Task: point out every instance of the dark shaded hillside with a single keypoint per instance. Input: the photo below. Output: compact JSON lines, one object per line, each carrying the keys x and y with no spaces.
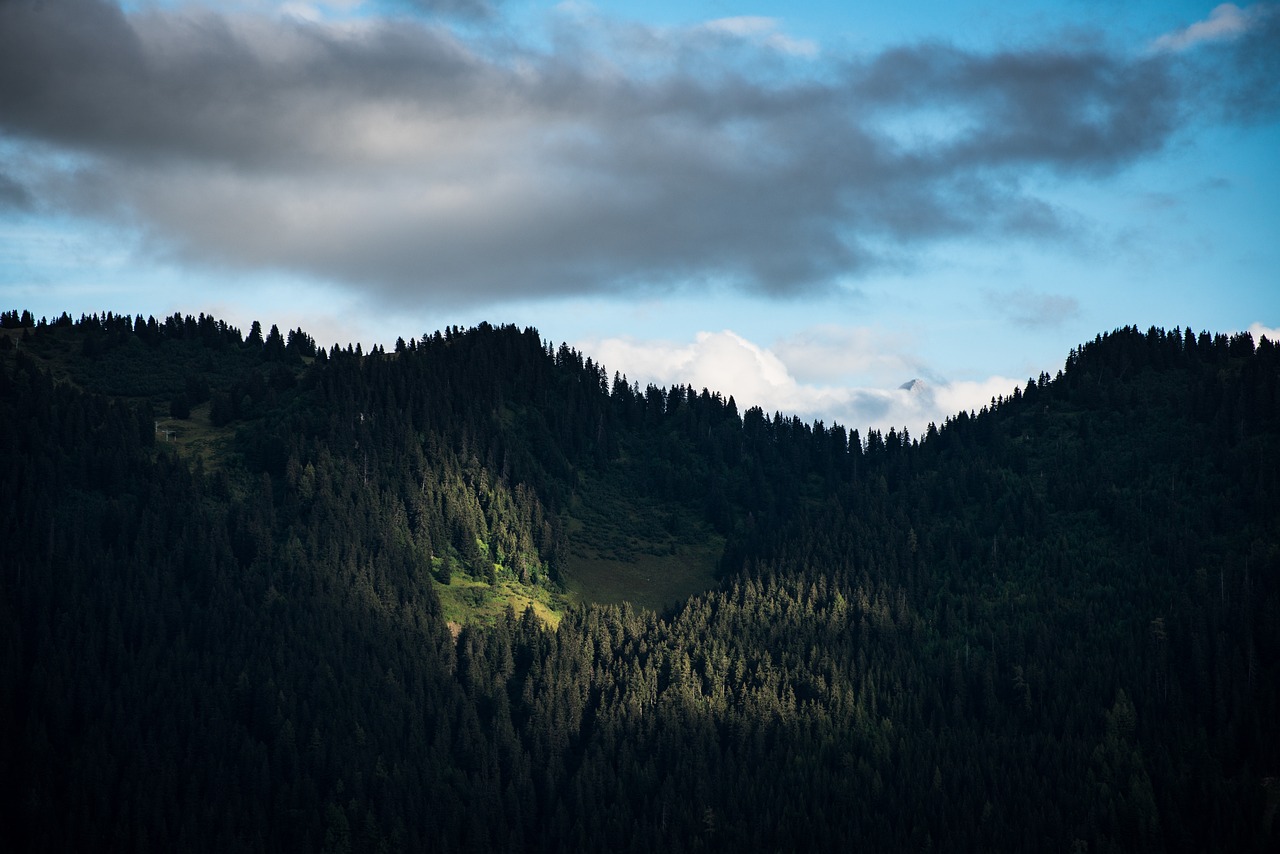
{"x":1054,"y":624}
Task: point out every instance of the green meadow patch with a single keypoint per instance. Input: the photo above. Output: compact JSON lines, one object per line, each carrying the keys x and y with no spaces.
{"x":469,"y":600}
{"x":649,"y":581}
{"x":626,"y":549}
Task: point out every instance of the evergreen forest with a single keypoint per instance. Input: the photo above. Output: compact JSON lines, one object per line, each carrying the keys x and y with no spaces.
{"x":474,"y":593}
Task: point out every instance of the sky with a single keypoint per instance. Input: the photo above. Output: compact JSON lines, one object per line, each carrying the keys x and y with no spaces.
{"x":805,"y":205}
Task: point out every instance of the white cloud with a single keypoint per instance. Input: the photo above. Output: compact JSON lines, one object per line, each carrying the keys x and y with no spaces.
{"x":833,"y":353}
{"x":969,"y":395}
{"x":723,"y":361}
{"x":1257,"y":330}
{"x":769,"y":378}
{"x":743,"y":26}
{"x":1227,"y":21}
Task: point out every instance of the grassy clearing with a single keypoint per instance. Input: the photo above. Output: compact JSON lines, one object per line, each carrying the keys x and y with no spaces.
{"x":468,"y":600}
{"x":196,"y":437}
{"x":628,"y":549}
{"x":646,"y":580}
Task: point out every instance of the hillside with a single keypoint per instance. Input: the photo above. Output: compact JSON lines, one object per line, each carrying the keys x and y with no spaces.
{"x":264,"y":596}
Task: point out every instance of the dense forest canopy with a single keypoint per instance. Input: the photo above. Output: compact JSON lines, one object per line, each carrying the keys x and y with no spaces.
{"x":476,"y":594}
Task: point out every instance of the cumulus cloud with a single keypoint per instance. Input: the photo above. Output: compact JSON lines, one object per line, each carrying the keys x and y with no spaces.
{"x":723,"y":361}
{"x":426,"y":165}
{"x":1272,"y":333}
{"x":760,"y":376}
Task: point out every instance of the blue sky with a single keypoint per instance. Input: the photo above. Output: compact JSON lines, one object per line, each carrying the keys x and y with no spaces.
{"x":804,"y":205}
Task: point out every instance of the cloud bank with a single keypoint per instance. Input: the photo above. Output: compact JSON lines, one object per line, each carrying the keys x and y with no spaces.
{"x":861,"y":386}
{"x":424,"y":164}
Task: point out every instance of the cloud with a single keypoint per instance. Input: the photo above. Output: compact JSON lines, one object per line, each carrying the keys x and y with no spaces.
{"x":319,"y":10}
{"x":765,"y":31}
{"x":1226,"y":22}
{"x":1272,"y":333}
{"x":474,"y":9}
{"x":13,"y":195}
{"x":723,"y":361}
{"x":758,"y":376}
{"x":1034,"y":310}
{"x":1245,"y":84}
{"x":830,"y":353}
{"x":421,"y":165}
{"x":1231,"y":61}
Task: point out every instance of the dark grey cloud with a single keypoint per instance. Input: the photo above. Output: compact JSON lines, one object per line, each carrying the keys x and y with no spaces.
{"x":13,"y":195}
{"x":427,"y":166}
{"x":469,"y":9}
{"x":1081,"y":109}
{"x":1251,"y":79}
{"x":1233,"y":57}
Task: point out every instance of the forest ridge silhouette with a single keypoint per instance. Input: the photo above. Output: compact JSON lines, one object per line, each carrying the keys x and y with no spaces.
{"x":260,"y":595}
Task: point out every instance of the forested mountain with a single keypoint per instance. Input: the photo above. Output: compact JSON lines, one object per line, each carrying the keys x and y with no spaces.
{"x":258,"y":595}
